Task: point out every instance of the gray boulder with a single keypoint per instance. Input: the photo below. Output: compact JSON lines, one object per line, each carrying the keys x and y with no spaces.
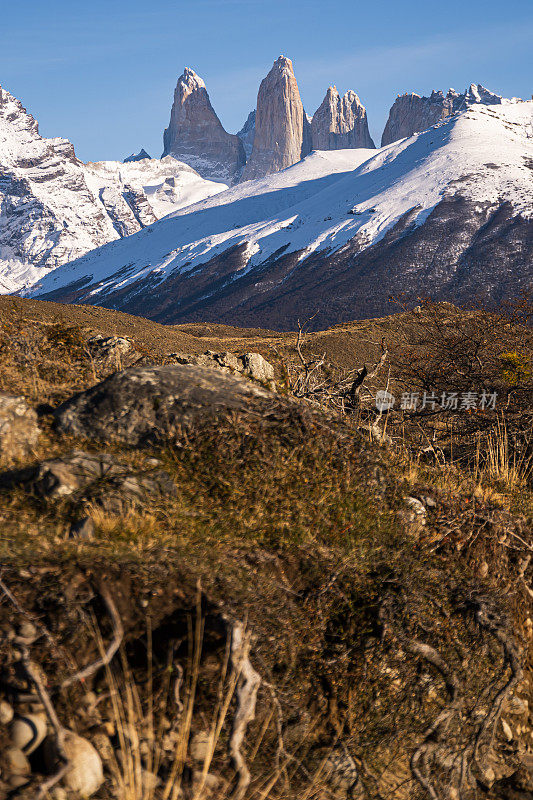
{"x":110,"y":347}
{"x":155,"y":404}
{"x":252,"y":365}
{"x":19,"y":431}
{"x":98,"y":477}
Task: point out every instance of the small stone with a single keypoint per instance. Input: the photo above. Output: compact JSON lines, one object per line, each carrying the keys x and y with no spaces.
{"x":27,"y":630}
{"x":82,"y":529}
{"x":28,"y":731}
{"x":6,"y":713}
{"x":199,"y":746}
{"x":507,"y":732}
{"x":85,"y":774}
{"x":149,"y":782}
{"x":16,"y":762}
{"x":483,"y":570}
{"x":257,"y":367}
{"x":104,"y":746}
{"x":209,"y":782}
{"x":58,"y":793}
{"x":90,"y":698}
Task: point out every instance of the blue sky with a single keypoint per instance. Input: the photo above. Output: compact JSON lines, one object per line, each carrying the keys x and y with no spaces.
{"x":102,"y":74}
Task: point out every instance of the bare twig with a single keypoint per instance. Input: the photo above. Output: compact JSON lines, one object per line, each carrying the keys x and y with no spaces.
{"x":118,"y":635}
{"x":249,"y":681}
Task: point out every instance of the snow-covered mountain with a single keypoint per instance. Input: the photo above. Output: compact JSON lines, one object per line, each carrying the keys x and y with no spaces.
{"x":447,"y":212}
{"x":460,"y":192}
{"x":54,"y":208}
{"x":412,"y":113}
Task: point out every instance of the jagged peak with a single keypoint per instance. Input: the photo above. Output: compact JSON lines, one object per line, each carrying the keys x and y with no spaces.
{"x":282,"y":65}
{"x":352,"y":97}
{"x":140,"y":156}
{"x":11,"y":108}
{"x":191,"y":80}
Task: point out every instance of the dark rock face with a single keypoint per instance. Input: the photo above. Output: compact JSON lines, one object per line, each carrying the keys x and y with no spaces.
{"x":247,"y":134}
{"x":196,"y":136}
{"x":412,"y":113}
{"x":140,"y":156}
{"x":282,"y":131}
{"x":148,"y":404}
{"x":340,"y":122}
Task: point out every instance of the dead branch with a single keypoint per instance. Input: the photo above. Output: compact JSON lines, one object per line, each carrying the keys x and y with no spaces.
{"x":314,"y":379}
{"x":249,"y":681}
{"x":118,"y":635}
{"x":432,"y":734}
{"x":488,"y":620}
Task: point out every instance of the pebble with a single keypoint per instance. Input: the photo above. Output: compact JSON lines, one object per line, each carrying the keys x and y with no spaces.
{"x":16,"y":762}
{"x":6,"y":713}
{"x":28,"y":731}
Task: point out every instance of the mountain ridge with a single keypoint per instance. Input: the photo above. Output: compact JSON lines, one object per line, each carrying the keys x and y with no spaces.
{"x":54,"y":208}
{"x":448,"y":209}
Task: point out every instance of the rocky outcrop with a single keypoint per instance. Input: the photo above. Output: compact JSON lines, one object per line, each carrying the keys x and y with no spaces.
{"x":96,"y":477}
{"x":157,"y":402}
{"x":412,"y":113}
{"x":282,"y":131}
{"x":340,"y":122}
{"x":140,"y":156}
{"x":195,"y":134}
{"x":251,"y":365}
{"x":247,"y":134}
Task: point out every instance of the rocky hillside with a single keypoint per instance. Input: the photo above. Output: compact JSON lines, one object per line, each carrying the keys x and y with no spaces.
{"x":412,"y":113}
{"x":161,"y":566}
{"x":446,"y":213}
{"x":54,"y":208}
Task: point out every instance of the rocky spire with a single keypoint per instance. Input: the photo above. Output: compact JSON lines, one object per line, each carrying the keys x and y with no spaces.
{"x":195,"y":134}
{"x":340,"y":122}
{"x":411,"y":113}
{"x":282,"y":131}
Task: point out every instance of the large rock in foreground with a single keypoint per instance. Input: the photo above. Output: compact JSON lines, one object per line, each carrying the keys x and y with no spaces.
{"x":154,"y":404}
{"x":195,"y":134}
